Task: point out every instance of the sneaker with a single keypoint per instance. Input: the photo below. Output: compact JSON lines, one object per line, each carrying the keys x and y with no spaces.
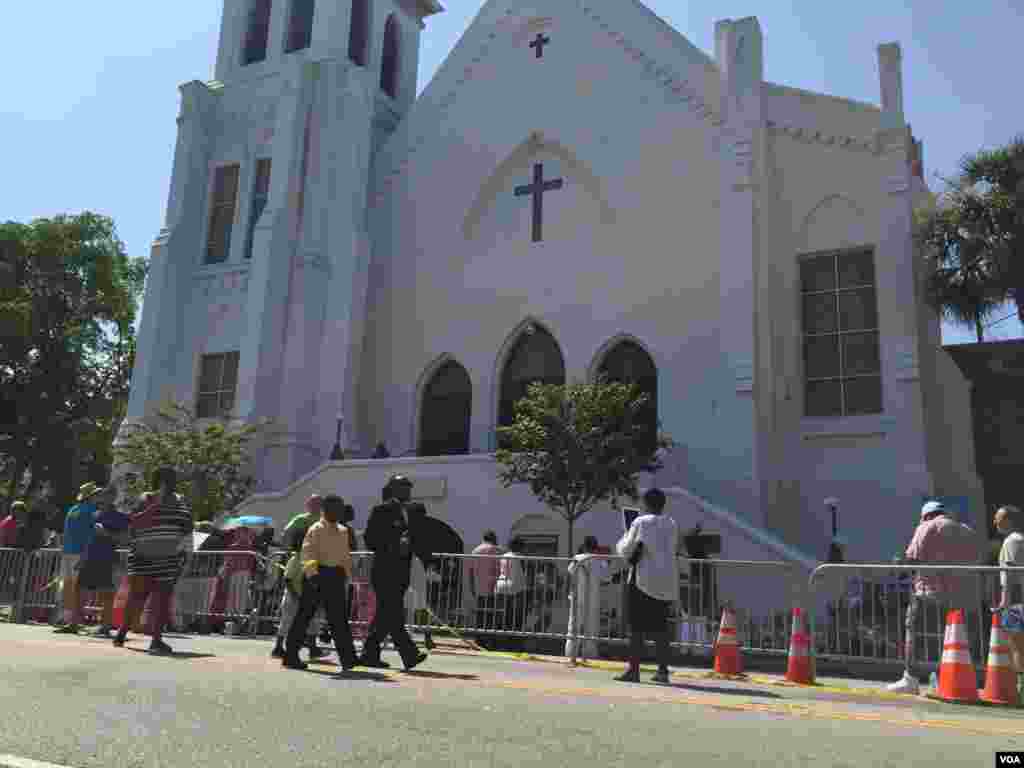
{"x":629,"y":676}
{"x":294,"y":663}
{"x":420,"y":658}
{"x":102,"y":631}
{"x":907,"y":684}
{"x":661,"y":677}
{"x":278,"y":652}
{"x":67,"y":629}
{"x":160,"y":648}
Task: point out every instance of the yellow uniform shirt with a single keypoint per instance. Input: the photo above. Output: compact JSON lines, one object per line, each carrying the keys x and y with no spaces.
{"x":326,"y":544}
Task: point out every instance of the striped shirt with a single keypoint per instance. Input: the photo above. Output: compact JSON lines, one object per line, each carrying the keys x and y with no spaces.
{"x":167,"y":525}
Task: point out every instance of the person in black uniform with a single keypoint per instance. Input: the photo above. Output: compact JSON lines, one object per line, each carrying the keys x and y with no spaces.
{"x":389,"y":537}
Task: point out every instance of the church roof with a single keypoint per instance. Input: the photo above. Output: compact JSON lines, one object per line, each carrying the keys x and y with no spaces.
{"x":652,"y":45}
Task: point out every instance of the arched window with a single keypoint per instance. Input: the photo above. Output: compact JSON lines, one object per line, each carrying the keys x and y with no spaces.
{"x":358,"y":32}
{"x":389,"y":60}
{"x":257,"y":32}
{"x":300,"y":25}
{"x":629,"y":363}
{"x":445,"y":412}
{"x":535,"y":357}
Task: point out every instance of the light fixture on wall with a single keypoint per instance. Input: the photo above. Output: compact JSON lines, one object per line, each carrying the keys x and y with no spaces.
{"x":336,"y":453}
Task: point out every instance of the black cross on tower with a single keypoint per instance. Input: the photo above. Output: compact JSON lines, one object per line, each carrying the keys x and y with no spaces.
{"x":538,"y":43}
{"x":537,"y":190}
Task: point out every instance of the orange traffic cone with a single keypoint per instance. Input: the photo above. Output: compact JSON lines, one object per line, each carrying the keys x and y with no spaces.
{"x":728,"y":660}
{"x":799,"y":669}
{"x":1000,"y":676}
{"x":958,"y":680}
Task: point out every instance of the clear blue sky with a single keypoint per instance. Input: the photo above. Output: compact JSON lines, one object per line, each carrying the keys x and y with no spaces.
{"x":88,"y":115}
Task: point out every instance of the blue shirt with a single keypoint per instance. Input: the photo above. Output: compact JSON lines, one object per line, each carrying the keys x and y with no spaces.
{"x":79,"y":528}
{"x":104,"y":548}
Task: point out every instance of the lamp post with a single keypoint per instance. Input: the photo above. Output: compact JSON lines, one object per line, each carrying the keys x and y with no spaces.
{"x":833,"y":504}
{"x":336,"y":452}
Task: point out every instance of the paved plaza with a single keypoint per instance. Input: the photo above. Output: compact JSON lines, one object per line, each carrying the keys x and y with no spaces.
{"x":77,"y":701}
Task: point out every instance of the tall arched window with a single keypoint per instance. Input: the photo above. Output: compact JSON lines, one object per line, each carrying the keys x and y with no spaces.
{"x":629,"y":363}
{"x":300,"y":25}
{"x":445,"y":412}
{"x":358,"y":32}
{"x":389,"y":60}
{"x":534,"y":357}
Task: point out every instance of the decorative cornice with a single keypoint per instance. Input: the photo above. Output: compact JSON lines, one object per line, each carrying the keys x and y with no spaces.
{"x":814,"y":136}
{"x":676,"y":88}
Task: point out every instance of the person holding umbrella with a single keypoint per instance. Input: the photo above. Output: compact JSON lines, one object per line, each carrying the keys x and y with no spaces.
{"x":389,"y":537}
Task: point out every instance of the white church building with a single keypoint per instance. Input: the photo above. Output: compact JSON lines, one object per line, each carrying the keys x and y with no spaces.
{"x":578,"y":188}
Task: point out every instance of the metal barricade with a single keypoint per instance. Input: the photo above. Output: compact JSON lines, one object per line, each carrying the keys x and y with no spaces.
{"x":863,"y":610}
{"x":546,"y":600}
{"x":12,"y":571}
{"x":762,"y":595}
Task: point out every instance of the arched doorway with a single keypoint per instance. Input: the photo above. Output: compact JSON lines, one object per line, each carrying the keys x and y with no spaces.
{"x":627,"y":362}
{"x":535,"y":356}
{"x":445,"y":412}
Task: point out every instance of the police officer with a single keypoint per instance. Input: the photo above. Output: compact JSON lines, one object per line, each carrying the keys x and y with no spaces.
{"x":388,"y":536}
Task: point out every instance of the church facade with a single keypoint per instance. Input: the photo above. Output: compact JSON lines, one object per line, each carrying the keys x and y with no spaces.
{"x":578,"y":189}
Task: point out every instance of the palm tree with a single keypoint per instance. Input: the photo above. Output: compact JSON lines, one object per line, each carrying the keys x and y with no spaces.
{"x":973,"y":238}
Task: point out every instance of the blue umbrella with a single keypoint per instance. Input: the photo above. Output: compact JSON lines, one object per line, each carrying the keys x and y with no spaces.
{"x":248,"y":521}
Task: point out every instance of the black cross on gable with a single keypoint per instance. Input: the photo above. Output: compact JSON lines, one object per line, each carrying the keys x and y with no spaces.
{"x":537,"y":190}
{"x":538,"y":43}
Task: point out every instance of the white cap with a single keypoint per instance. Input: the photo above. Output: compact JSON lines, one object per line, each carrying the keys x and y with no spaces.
{"x":931,"y":508}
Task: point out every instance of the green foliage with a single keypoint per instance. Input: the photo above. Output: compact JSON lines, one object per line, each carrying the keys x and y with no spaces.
{"x":973,"y":238}
{"x":208,"y":454}
{"x":67,"y":306}
{"x":579,"y":444}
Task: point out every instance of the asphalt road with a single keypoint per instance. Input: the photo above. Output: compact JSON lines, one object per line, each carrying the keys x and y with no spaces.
{"x":222,"y":702}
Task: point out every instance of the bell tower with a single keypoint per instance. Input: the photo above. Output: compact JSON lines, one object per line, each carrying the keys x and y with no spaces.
{"x":255,"y":299}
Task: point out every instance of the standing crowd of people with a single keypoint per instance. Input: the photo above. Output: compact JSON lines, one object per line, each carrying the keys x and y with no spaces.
{"x":157,"y":530}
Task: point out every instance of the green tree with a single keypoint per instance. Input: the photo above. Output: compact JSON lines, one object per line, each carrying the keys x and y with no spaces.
{"x":208,"y":454}
{"x":67,"y":307}
{"x":579,"y":444}
{"x":973,"y":238}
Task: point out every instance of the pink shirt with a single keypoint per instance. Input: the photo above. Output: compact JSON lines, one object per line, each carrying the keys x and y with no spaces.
{"x":8,"y":531}
{"x":943,"y":540}
{"x":485,"y":570}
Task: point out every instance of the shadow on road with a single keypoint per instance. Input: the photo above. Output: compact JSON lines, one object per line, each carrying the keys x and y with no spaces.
{"x":751,"y":692}
{"x":439,"y":675}
{"x":374,"y":677}
{"x":180,"y":655}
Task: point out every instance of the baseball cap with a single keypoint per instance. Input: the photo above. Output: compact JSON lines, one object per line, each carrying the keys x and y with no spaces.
{"x":932,"y":508}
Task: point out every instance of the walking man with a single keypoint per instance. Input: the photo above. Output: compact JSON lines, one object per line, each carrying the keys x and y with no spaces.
{"x":79,"y":530}
{"x":387,"y":536}
{"x":939,"y":539}
{"x":326,"y":565}
{"x":294,"y":535}
{"x":651,"y":545}
{"x":154,"y":559}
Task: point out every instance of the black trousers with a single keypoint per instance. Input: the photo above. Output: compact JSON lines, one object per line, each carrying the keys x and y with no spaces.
{"x":330,"y":589}
{"x":389,"y":620}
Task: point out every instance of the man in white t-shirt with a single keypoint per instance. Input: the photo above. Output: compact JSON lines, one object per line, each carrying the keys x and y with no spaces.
{"x":1010,"y":523}
{"x":651,"y":544}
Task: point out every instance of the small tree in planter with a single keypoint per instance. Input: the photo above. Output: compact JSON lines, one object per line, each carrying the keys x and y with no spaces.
{"x":208,"y":454}
{"x":579,"y":444}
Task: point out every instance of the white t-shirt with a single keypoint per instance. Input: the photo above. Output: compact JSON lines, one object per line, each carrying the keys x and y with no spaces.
{"x":657,"y":573}
{"x":1012,"y":554}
